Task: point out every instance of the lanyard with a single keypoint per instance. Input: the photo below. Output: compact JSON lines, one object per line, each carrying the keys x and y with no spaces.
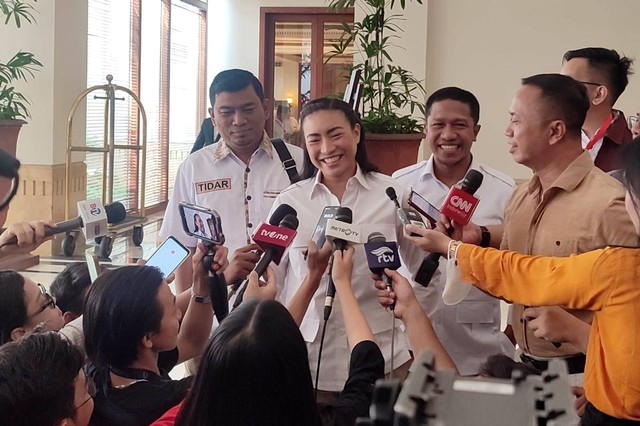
{"x":601,"y":131}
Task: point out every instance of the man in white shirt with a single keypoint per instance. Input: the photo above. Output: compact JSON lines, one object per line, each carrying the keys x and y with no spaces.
{"x":239,"y":177}
{"x":470,"y":331}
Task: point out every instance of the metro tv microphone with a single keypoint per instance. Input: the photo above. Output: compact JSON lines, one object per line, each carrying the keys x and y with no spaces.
{"x":458,"y":206}
{"x":380,"y":255}
{"x":273,"y":240}
{"x":93,"y":220}
{"x":339,"y":231}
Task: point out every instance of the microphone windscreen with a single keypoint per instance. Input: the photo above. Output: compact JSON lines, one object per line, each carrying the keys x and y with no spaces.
{"x":280,"y":212}
{"x":289,"y":221}
{"x":344,"y":214}
{"x":116,"y":212}
{"x":376,"y":237}
{"x":391,"y":193}
{"x":9,"y":165}
{"x":472,"y":181}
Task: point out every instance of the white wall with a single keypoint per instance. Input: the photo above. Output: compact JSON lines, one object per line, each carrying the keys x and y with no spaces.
{"x":488,"y":46}
{"x":59,"y":41}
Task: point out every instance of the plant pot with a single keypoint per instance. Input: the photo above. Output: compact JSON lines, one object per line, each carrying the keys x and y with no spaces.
{"x":393,"y":152}
{"x":9,"y":130}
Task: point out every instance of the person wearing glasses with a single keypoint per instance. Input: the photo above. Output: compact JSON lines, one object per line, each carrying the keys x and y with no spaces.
{"x":24,"y":305}
{"x":42,"y":382}
{"x":605,"y":75}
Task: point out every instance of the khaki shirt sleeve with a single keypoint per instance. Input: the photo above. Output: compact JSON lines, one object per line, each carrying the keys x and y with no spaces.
{"x":615,"y":227}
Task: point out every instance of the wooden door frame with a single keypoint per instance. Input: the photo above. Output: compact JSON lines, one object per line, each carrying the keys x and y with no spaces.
{"x":315,"y":15}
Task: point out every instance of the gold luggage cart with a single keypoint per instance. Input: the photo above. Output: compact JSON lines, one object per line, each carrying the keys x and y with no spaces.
{"x":132,"y":223}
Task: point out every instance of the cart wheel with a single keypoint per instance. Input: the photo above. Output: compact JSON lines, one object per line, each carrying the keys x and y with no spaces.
{"x":138,"y":235}
{"x":97,"y":240}
{"x":68,"y":245}
{"x":105,"y":247}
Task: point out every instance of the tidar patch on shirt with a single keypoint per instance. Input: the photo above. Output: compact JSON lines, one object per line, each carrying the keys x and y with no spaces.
{"x":213,"y":185}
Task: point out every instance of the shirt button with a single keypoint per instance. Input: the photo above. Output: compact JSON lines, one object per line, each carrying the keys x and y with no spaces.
{"x":248,"y":197}
{"x":249,"y":225}
{"x":247,"y":170}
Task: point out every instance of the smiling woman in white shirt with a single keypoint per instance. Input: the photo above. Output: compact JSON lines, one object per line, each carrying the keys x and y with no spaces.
{"x":198,"y":226}
{"x":337,"y":172}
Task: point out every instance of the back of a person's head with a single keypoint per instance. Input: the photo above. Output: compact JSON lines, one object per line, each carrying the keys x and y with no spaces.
{"x":502,"y":367}
{"x":564,"y":99}
{"x":631,"y":170}
{"x":234,"y":80}
{"x":13,"y":309}
{"x":37,"y":380}
{"x":608,"y":64}
{"x":69,"y":287}
{"x":255,"y":371}
{"x":455,"y":94}
{"x":120,"y":309}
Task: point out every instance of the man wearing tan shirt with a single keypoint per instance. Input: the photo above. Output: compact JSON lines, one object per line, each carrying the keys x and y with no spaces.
{"x":569,"y":206}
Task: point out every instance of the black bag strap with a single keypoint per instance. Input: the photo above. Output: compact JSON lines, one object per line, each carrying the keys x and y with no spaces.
{"x":288,"y":162}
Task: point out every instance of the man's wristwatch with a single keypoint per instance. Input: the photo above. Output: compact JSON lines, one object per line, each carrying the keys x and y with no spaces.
{"x":200,"y":299}
{"x":485,"y":239}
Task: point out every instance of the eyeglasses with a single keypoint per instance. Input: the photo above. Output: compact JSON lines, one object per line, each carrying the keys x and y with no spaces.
{"x":633,"y":119}
{"x":590,"y":82}
{"x":51,"y":302}
{"x":91,"y":390}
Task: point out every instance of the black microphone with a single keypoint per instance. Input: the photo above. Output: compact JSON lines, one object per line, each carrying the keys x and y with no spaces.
{"x":91,"y":220}
{"x":380,"y":255}
{"x":273,"y":240}
{"x":344,"y":214}
{"x":470,"y":184}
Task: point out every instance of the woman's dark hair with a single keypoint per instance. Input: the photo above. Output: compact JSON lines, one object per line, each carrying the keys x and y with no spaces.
{"x":255,"y":371}
{"x":69,"y":287}
{"x":631,"y":169}
{"x":37,"y":380}
{"x":331,"y":104}
{"x":195,"y":223}
{"x":121,"y":307}
{"x":13,"y":308}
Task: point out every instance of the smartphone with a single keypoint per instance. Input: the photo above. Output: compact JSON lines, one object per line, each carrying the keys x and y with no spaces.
{"x":424,"y":207}
{"x":202,"y":223}
{"x":329,"y":212}
{"x":168,"y":256}
{"x":93,"y":264}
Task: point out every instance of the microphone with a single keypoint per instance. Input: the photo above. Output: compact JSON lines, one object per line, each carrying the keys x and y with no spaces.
{"x":460,"y":203}
{"x":338,"y":232}
{"x":380,"y":255}
{"x":93,"y":220}
{"x":459,"y":206}
{"x":407,"y":216}
{"x":273,"y":240}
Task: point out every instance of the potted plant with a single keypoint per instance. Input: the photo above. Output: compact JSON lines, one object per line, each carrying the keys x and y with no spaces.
{"x":13,"y":104}
{"x":390,"y":94}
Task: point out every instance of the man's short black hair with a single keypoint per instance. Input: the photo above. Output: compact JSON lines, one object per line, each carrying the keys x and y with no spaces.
{"x":609,"y":63}
{"x":566,"y":98}
{"x":69,"y":287}
{"x":455,"y":94}
{"x":234,"y":80}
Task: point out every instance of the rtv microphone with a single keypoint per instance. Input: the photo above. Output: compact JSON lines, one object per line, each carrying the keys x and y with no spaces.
{"x":339,"y":230}
{"x":407,"y":216}
{"x":273,"y":240}
{"x":380,"y":255}
{"x":93,"y":220}
{"x":458,"y":206}
{"x":460,"y":203}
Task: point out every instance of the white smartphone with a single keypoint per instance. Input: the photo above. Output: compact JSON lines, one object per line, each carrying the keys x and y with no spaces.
{"x":168,"y":256}
{"x":93,"y":264}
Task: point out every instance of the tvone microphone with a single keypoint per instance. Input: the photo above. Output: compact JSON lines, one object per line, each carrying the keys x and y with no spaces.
{"x":93,"y":220}
{"x":380,"y":255}
{"x":273,"y":240}
{"x":338,"y":232}
{"x":459,"y":206}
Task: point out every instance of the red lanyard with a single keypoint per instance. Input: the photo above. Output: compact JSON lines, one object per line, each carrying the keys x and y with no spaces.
{"x":600,"y":133}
